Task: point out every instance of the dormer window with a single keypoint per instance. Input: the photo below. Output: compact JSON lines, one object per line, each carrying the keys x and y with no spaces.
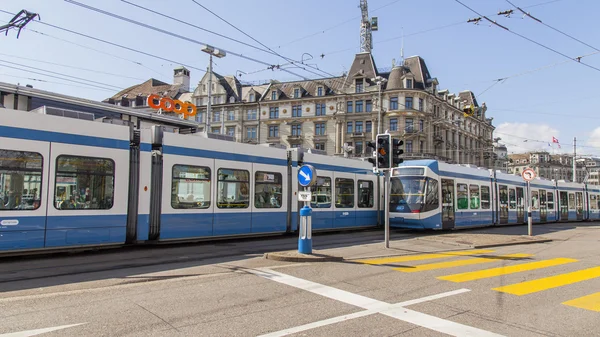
{"x":320,"y":91}
{"x":273,"y":95}
{"x":297,"y":93}
{"x":359,"y":85}
{"x":231,"y":99}
{"x":409,"y":84}
{"x":251,"y":98}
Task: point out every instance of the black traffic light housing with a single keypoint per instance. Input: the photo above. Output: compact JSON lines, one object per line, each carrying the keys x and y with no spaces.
{"x":372,"y":145}
{"x":397,"y":152}
{"x":468,"y":111}
{"x":383,"y":152}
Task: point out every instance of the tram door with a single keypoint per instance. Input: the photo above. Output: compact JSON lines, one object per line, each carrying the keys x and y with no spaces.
{"x":520,"y":205}
{"x":503,"y":203}
{"x":579,"y":205}
{"x":564,"y":206}
{"x":543,"y":207}
{"x":447,"y":204}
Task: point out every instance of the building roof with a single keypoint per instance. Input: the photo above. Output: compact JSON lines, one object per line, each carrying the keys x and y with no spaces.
{"x":469,"y":97}
{"x":145,"y":89}
{"x":363,"y":65}
{"x":310,"y":86}
{"x":417,"y":66}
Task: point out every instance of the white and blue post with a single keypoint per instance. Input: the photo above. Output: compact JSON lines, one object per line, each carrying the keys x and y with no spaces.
{"x":306,"y":177}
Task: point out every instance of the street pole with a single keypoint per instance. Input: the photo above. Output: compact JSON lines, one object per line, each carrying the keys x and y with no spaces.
{"x":574,"y":159}
{"x":529,"y":219}
{"x":379,"y":83}
{"x":208,"y":105}
{"x":457,"y":142}
{"x":386,"y":208}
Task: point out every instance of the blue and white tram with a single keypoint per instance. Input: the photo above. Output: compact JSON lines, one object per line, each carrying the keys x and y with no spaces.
{"x":593,"y":193}
{"x":68,"y":183}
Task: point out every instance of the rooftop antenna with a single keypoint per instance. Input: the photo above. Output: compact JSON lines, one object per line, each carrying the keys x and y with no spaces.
{"x":402,"y":48}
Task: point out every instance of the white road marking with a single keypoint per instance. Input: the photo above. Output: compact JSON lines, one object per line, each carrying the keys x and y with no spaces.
{"x":397,"y":311}
{"x":36,"y":332}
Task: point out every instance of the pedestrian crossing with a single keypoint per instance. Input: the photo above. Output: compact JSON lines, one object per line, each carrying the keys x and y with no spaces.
{"x":515,"y":263}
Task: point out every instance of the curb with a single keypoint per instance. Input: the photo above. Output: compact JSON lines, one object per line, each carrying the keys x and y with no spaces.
{"x":297,"y":257}
{"x":476,"y":246}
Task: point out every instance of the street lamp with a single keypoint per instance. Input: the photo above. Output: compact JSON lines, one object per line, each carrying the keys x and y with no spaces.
{"x":380,"y":81}
{"x":212,"y":51}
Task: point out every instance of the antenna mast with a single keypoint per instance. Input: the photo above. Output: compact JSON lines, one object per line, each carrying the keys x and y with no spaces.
{"x":366,"y":27}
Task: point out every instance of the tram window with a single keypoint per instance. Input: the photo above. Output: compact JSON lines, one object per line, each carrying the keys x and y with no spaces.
{"x":571,"y":201}
{"x":512,"y":198}
{"x":267,"y":190}
{"x":432,"y":200}
{"x":84,"y":183}
{"x":550,"y":201}
{"x":474,"y":191}
{"x":321,"y":193}
{"x":344,"y":193}
{"x":485,"y":197}
{"x":462,"y":196}
{"x":233,"y":188}
{"x":365,"y":194}
{"x":503,"y":195}
{"x":535,"y":200}
{"x":20,"y":180}
{"x":593,"y":202}
{"x":190,"y":187}
{"x":579,"y":201}
{"x":542,"y":198}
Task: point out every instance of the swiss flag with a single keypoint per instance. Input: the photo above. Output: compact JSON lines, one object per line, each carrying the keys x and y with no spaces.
{"x":554,"y":140}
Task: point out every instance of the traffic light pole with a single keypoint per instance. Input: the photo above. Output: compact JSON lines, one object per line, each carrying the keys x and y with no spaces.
{"x":386,"y":207}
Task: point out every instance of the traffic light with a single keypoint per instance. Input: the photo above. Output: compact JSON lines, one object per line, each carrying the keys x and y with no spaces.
{"x":397,"y":152}
{"x":383,"y":151}
{"x":468,"y":111}
{"x":371,"y":145}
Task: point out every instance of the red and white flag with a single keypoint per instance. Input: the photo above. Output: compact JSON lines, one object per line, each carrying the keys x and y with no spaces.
{"x":554,"y":140}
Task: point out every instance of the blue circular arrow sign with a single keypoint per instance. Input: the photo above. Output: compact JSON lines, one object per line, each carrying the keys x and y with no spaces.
{"x":306,"y":175}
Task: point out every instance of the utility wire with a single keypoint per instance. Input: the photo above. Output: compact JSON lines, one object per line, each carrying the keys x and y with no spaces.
{"x":73,"y":67}
{"x":262,"y":44}
{"x":171,"y":34}
{"x":528,"y":39}
{"x":554,"y":29}
{"x":59,"y":83}
{"x":56,"y":73}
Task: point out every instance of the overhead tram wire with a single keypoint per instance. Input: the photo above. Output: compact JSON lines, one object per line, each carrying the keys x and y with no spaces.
{"x":547,"y":25}
{"x":53,"y":82}
{"x":528,"y":39}
{"x":262,"y":44}
{"x":57,"y":73}
{"x":114,"y":44}
{"x":73,"y":67}
{"x":172,"y":34}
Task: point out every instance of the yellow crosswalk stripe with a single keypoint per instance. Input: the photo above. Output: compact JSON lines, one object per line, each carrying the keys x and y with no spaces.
{"x":589,"y":302}
{"x":406,"y":258}
{"x":459,"y":263}
{"x":533,"y":286}
{"x":487,"y":273}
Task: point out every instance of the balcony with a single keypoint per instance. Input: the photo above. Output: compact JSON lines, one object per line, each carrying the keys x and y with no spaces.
{"x":319,"y":137}
{"x":410,"y":130}
{"x":357,"y":134}
{"x":295,"y":138}
{"x":250,"y":140}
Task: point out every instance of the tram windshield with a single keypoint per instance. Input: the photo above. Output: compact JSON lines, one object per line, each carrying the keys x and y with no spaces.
{"x":413,"y":194}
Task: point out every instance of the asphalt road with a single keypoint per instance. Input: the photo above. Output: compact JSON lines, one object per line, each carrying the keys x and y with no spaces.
{"x":228,"y":289}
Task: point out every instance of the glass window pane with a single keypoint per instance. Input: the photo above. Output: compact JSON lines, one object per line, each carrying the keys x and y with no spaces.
{"x":365,"y":194}
{"x":571,"y":201}
{"x":503,"y":196}
{"x":190,"y":187}
{"x":512,"y":198}
{"x":20,"y":180}
{"x":535,"y":200}
{"x":474,"y":190}
{"x":321,"y":193}
{"x":462,"y":196}
{"x":485,"y":197}
{"x":431,"y":195}
{"x":267,"y":190}
{"x":344,"y":193}
{"x":550,"y":200}
{"x":593,"y":203}
{"x":84,"y":183}
{"x":233,"y":189}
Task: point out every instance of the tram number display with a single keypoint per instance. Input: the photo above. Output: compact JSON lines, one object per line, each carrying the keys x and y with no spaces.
{"x":166,"y":104}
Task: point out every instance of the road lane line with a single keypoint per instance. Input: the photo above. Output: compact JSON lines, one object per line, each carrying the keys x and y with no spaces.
{"x":529,"y":287}
{"x":343,"y":318}
{"x":36,"y":332}
{"x":589,"y":302}
{"x":459,"y":263}
{"x":427,"y":321}
{"x":406,"y":258}
{"x":505,"y":270}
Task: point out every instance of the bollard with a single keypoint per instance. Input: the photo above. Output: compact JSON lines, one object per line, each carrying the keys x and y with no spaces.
{"x":305,"y":238}
{"x":529,"y":221}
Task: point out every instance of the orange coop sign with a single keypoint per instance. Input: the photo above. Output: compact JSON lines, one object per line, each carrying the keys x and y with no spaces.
{"x":187,"y":109}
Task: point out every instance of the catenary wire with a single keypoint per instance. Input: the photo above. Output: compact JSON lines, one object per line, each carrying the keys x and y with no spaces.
{"x":53,"y":82}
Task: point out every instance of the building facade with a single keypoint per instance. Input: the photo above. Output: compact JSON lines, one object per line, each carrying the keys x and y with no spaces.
{"x":548,"y":166}
{"x":338,"y":115}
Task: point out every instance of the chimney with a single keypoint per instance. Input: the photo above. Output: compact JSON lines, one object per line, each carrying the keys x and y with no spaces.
{"x":181,"y":75}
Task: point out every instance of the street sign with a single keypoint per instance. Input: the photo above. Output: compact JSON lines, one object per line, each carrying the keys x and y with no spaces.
{"x":304,"y":196}
{"x":528,"y":174}
{"x":306,"y":175}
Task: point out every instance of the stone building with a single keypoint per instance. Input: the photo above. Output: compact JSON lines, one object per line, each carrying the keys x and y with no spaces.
{"x":546,"y":165}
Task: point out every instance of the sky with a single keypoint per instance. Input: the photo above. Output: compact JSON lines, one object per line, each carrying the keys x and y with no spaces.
{"x":542,"y":94}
